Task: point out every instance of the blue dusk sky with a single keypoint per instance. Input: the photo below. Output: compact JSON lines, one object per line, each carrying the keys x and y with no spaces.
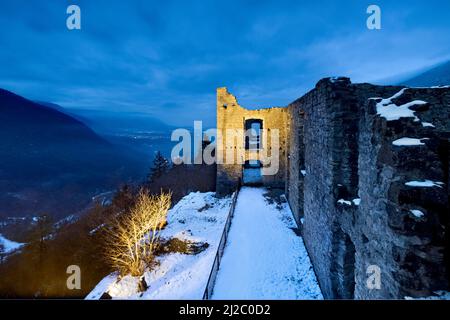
{"x":166,"y":58}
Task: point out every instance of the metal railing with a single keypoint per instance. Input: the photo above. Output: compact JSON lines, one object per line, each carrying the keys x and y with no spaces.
{"x":223,"y":240}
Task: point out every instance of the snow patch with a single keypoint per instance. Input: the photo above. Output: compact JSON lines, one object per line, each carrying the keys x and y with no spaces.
{"x":336,"y":79}
{"x":342,"y":201}
{"x":424,"y":184}
{"x":417,"y":213}
{"x":390,"y":111}
{"x":409,"y":142}
{"x":102,"y":287}
{"x":96,"y":229}
{"x":427,"y":124}
{"x":394,"y":112}
{"x":356,"y":201}
{"x":9,"y":246}
{"x":303,"y":172}
{"x":126,"y":287}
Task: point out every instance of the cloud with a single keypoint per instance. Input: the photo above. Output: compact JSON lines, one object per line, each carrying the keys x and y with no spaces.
{"x":160,"y":57}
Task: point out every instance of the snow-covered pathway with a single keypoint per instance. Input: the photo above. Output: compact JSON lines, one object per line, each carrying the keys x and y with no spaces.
{"x":264,"y":258}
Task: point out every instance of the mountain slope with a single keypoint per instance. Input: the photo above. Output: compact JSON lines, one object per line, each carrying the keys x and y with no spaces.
{"x":52,"y":162}
{"x":57,"y":107}
{"x":437,"y":76}
{"x":138,"y":131}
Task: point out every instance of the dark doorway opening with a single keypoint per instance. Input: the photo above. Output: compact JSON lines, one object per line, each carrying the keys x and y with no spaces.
{"x":253,"y":132}
{"x":252,"y":173}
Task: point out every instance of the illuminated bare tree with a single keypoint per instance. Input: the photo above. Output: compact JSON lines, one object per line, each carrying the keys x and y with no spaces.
{"x":133,"y":237}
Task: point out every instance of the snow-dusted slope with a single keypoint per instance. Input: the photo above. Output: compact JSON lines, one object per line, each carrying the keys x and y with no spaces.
{"x":198,"y":217}
{"x":8,"y":246}
{"x":264,"y":258}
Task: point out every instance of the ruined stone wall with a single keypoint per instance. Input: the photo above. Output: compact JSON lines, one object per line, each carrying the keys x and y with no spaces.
{"x":328,"y":144}
{"x":356,"y":208}
{"x":295,"y":162}
{"x":230,"y":115}
{"x":405,"y":227}
{"x":353,"y":189}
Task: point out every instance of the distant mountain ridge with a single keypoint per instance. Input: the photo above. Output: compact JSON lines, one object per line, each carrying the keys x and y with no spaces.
{"x":61,"y":109}
{"x":436,"y":76}
{"x":107,"y":122}
{"x":52,"y":162}
{"x":29,"y":120}
{"x":130,"y":130}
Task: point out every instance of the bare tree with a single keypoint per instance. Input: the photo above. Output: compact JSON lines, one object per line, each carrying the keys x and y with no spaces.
{"x":133,"y":237}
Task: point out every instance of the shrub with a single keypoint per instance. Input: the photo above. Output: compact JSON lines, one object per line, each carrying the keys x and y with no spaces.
{"x":182,"y":246}
{"x":133,"y":237}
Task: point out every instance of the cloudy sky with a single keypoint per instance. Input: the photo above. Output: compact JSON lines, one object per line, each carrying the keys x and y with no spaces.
{"x":165,"y":58}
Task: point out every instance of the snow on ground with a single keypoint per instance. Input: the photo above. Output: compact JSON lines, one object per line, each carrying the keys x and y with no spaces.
{"x":264,"y":258}
{"x":9,"y":246}
{"x":102,"y":287}
{"x":424,"y":184}
{"x":409,"y":142}
{"x":198,"y":217}
{"x":389,"y":110}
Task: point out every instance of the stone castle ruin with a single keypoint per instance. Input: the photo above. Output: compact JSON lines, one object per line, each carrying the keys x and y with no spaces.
{"x":365,"y":169}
